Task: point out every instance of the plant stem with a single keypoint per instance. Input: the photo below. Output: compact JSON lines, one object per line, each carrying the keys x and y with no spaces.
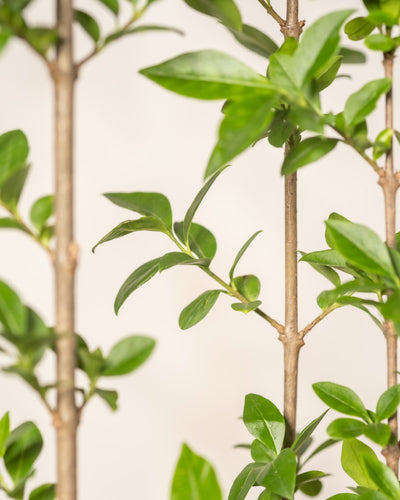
{"x":232,"y":291}
{"x":292,"y":343}
{"x":390,"y":184}
{"x":101,"y":45}
{"x":66,"y":420}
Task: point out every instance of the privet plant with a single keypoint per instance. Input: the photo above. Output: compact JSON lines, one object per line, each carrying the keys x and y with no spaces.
{"x":284,"y":109}
{"x":25,"y":339}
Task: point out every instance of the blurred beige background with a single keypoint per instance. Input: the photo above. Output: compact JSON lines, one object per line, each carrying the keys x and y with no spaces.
{"x":132,"y":135}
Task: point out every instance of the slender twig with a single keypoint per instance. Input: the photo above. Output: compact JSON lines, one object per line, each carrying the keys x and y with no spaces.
{"x":101,"y":45}
{"x":66,"y":419}
{"x":349,"y":141}
{"x":272,"y":12}
{"x":231,"y":291}
{"x":26,"y":229}
{"x":315,"y":321}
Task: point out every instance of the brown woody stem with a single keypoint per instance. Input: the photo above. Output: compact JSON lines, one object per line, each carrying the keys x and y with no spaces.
{"x":389,"y":182}
{"x":66,"y":419}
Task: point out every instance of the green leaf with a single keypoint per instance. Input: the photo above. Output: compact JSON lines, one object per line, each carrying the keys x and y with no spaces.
{"x":110,"y":397}
{"x":5,"y":36}
{"x":173,"y":259}
{"x":341,"y":398}
{"x":343,"y":428}
{"x":380,"y":42}
{"x":88,"y":23}
{"x":306,"y":433}
{"x":23,"y":446}
{"x":132,"y":226}
{"x":329,"y":75}
{"x":141,"y":29}
{"x":245,"y":480}
{"x":353,"y":453}
{"x":344,"y":496}
{"x":360,"y":104}
{"x":383,"y":143}
{"x":388,"y":403}
{"x":246,"y":307}
{"x":113,"y":5}
{"x":326,"y":444}
{"x":146,"y":271}
{"x":307,"y":151}
{"x":266,"y":495}
{"x":92,"y":363}
{"x":248,"y":285}
{"x":4,"y":432}
{"x":323,"y":269}
{"x":195,"y":478}
{"x":281,"y":129}
{"x":41,"y":211}
{"x":318,"y":44}
{"x":224,"y":10}
{"x":148,"y":204}
{"x":17,"y":5}
{"x":201,"y":241}
{"x":358,"y":28}
{"x":138,"y":278}
{"x":281,"y":475}
{"x":361,"y":246}
{"x":261,"y":453}
{"x":8,"y":223}
{"x":382,"y":476}
{"x":245,"y":121}
{"x":310,"y":476}
{"x":351,"y":56}
{"x":187,"y":221}
{"x":264,"y":421}
{"x":391,"y":7}
{"x":390,"y":310}
{"x":127,"y":355}
{"x":207,"y":74}
{"x":11,"y":189}
{"x":13,"y":314}
{"x":41,"y":38}
{"x":14,"y":150}
{"x":198,"y":309}
{"x":255,"y":40}
{"x":378,"y":433}
{"x":311,"y":489}
{"x":241,"y":253}
{"x":44,"y":492}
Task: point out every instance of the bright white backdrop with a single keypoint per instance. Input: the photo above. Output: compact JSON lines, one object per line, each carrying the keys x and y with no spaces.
{"x":132,"y":135}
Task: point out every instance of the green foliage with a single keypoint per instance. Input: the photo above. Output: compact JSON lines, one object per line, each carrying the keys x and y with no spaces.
{"x":88,"y":23}
{"x":127,"y":355}
{"x":194,"y":478}
{"x":244,"y":123}
{"x":198,"y":309}
{"x":264,"y":421}
{"x":225,"y":11}
{"x":360,"y":104}
{"x":207,"y":74}
{"x":353,"y":454}
{"x":307,"y":151}
{"x":341,"y":398}
{"x":23,"y":446}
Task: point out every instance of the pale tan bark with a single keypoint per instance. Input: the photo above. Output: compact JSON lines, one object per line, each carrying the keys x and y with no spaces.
{"x":65,"y":259}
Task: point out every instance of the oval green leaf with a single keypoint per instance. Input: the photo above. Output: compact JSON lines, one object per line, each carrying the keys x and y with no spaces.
{"x":127,"y":355}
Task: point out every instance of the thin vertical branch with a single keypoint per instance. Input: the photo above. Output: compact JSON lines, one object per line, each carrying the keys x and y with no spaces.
{"x":290,"y":339}
{"x":389,"y":184}
{"x":66,"y":420}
